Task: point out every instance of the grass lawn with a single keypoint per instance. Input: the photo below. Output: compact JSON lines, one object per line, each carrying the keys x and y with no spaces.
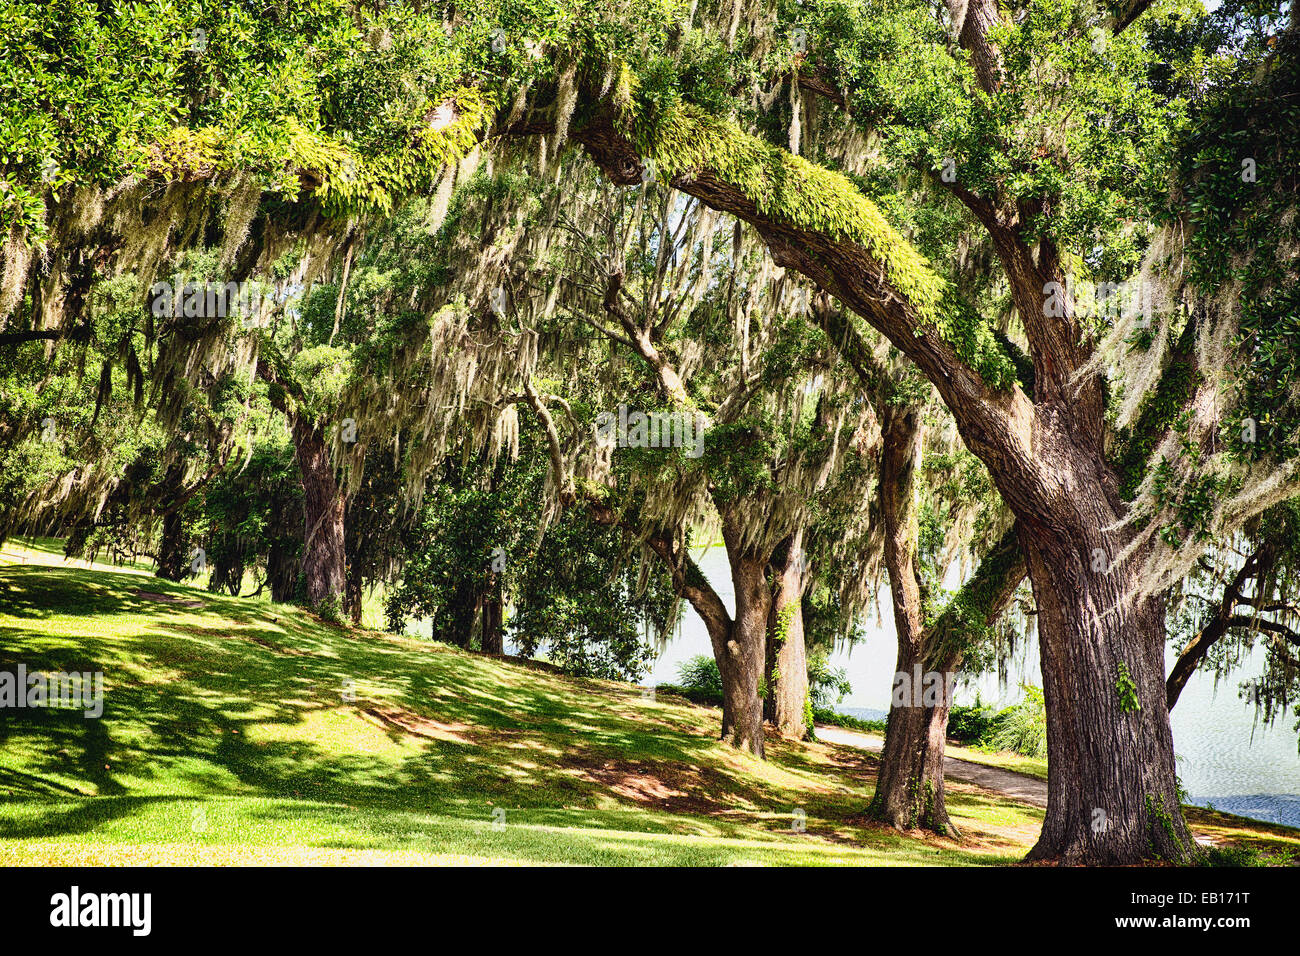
{"x":240,"y":731}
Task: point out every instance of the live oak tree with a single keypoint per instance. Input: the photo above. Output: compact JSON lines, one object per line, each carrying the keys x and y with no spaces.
{"x":646,"y":280}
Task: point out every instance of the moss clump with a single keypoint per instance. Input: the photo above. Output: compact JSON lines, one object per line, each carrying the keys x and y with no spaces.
{"x":790,"y":190}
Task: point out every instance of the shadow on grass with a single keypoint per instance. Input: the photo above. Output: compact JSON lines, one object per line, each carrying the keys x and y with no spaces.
{"x":247,"y":699}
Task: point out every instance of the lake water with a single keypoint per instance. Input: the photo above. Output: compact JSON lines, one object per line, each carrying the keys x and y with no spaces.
{"x":1224,"y":758}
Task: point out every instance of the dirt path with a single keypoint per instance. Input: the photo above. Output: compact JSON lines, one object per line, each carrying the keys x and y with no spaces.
{"x":1017,"y":786}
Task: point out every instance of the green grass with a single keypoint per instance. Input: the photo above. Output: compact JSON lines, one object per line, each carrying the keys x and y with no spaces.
{"x":241,"y":731}
{"x":228,"y":726}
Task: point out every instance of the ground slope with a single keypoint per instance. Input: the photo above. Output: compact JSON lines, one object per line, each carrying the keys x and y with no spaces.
{"x":239,"y":731}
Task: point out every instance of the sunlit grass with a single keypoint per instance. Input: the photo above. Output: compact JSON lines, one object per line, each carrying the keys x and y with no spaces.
{"x":241,"y":731}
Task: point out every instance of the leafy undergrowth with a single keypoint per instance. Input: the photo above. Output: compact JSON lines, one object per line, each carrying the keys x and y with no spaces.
{"x":239,"y":731}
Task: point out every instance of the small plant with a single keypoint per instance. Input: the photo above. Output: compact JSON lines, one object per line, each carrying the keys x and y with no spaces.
{"x":1232,"y":856}
{"x":827,"y":685}
{"x":1127,"y":689}
{"x":331,"y":610}
{"x":1022,"y":729}
{"x":701,"y":681}
{"x":974,"y":725}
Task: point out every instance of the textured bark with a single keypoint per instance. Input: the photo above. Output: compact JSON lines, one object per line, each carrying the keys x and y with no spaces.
{"x":491,"y":636}
{"x":740,"y":658}
{"x":324,"y":557}
{"x":972,"y":19}
{"x":1111,"y":787}
{"x":786,"y":655}
{"x":173,"y":561}
{"x":909,"y":783}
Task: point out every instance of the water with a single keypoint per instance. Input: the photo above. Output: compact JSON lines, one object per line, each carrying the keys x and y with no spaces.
{"x":1225,"y":759}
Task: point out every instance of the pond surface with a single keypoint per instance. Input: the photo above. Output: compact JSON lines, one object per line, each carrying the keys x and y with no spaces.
{"x":1225,"y":759}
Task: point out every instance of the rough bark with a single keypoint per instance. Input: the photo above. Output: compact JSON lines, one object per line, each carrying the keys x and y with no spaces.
{"x":491,"y":635}
{"x":740,"y":658}
{"x":173,"y":561}
{"x":324,"y":556}
{"x":1111,"y":787}
{"x":909,"y":783}
{"x":786,"y":655}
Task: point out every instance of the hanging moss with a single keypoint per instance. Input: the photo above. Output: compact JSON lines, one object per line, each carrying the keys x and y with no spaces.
{"x":792,"y":191}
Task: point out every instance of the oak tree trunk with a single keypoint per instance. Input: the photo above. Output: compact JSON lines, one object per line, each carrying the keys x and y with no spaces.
{"x":323,"y":555}
{"x":173,"y":561}
{"x":740,"y":659}
{"x":786,"y":703}
{"x":910,"y":782}
{"x":492,"y":639}
{"x":1111,"y":794}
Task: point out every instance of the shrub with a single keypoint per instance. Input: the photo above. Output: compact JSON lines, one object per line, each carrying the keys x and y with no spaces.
{"x":974,"y":725}
{"x":827,"y":685}
{"x":701,"y":674}
{"x":1022,"y":729}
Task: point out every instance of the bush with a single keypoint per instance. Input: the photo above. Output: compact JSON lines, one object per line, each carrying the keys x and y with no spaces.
{"x":700,"y":679}
{"x":827,"y":685}
{"x":834,"y":719}
{"x":1022,"y":729}
{"x":973,"y":726}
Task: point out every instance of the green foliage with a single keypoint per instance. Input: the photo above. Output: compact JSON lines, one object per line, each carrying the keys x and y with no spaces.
{"x":582,"y":604}
{"x":1240,"y":170}
{"x":1126,"y":688}
{"x":792,"y":190}
{"x":700,"y":678}
{"x":973,"y":725}
{"x":252,"y":520}
{"x":833,"y":718}
{"x":1022,"y":729}
{"x":827,"y":685}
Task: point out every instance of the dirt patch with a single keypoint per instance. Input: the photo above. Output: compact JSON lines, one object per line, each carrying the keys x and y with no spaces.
{"x":679,"y":789}
{"x":158,"y":598}
{"x":409,"y":722}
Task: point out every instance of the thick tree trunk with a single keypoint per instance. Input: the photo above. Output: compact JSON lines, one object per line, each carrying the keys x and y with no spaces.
{"x":323,"y":555}
{"x":910,"y":783}
{"x":173,"y":562}
{"x":492,"y":639}
{"x":786,"y":658}
{"x":740,"y":658}
{"x":1111,"y":794}
{"x":353,"y":600}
